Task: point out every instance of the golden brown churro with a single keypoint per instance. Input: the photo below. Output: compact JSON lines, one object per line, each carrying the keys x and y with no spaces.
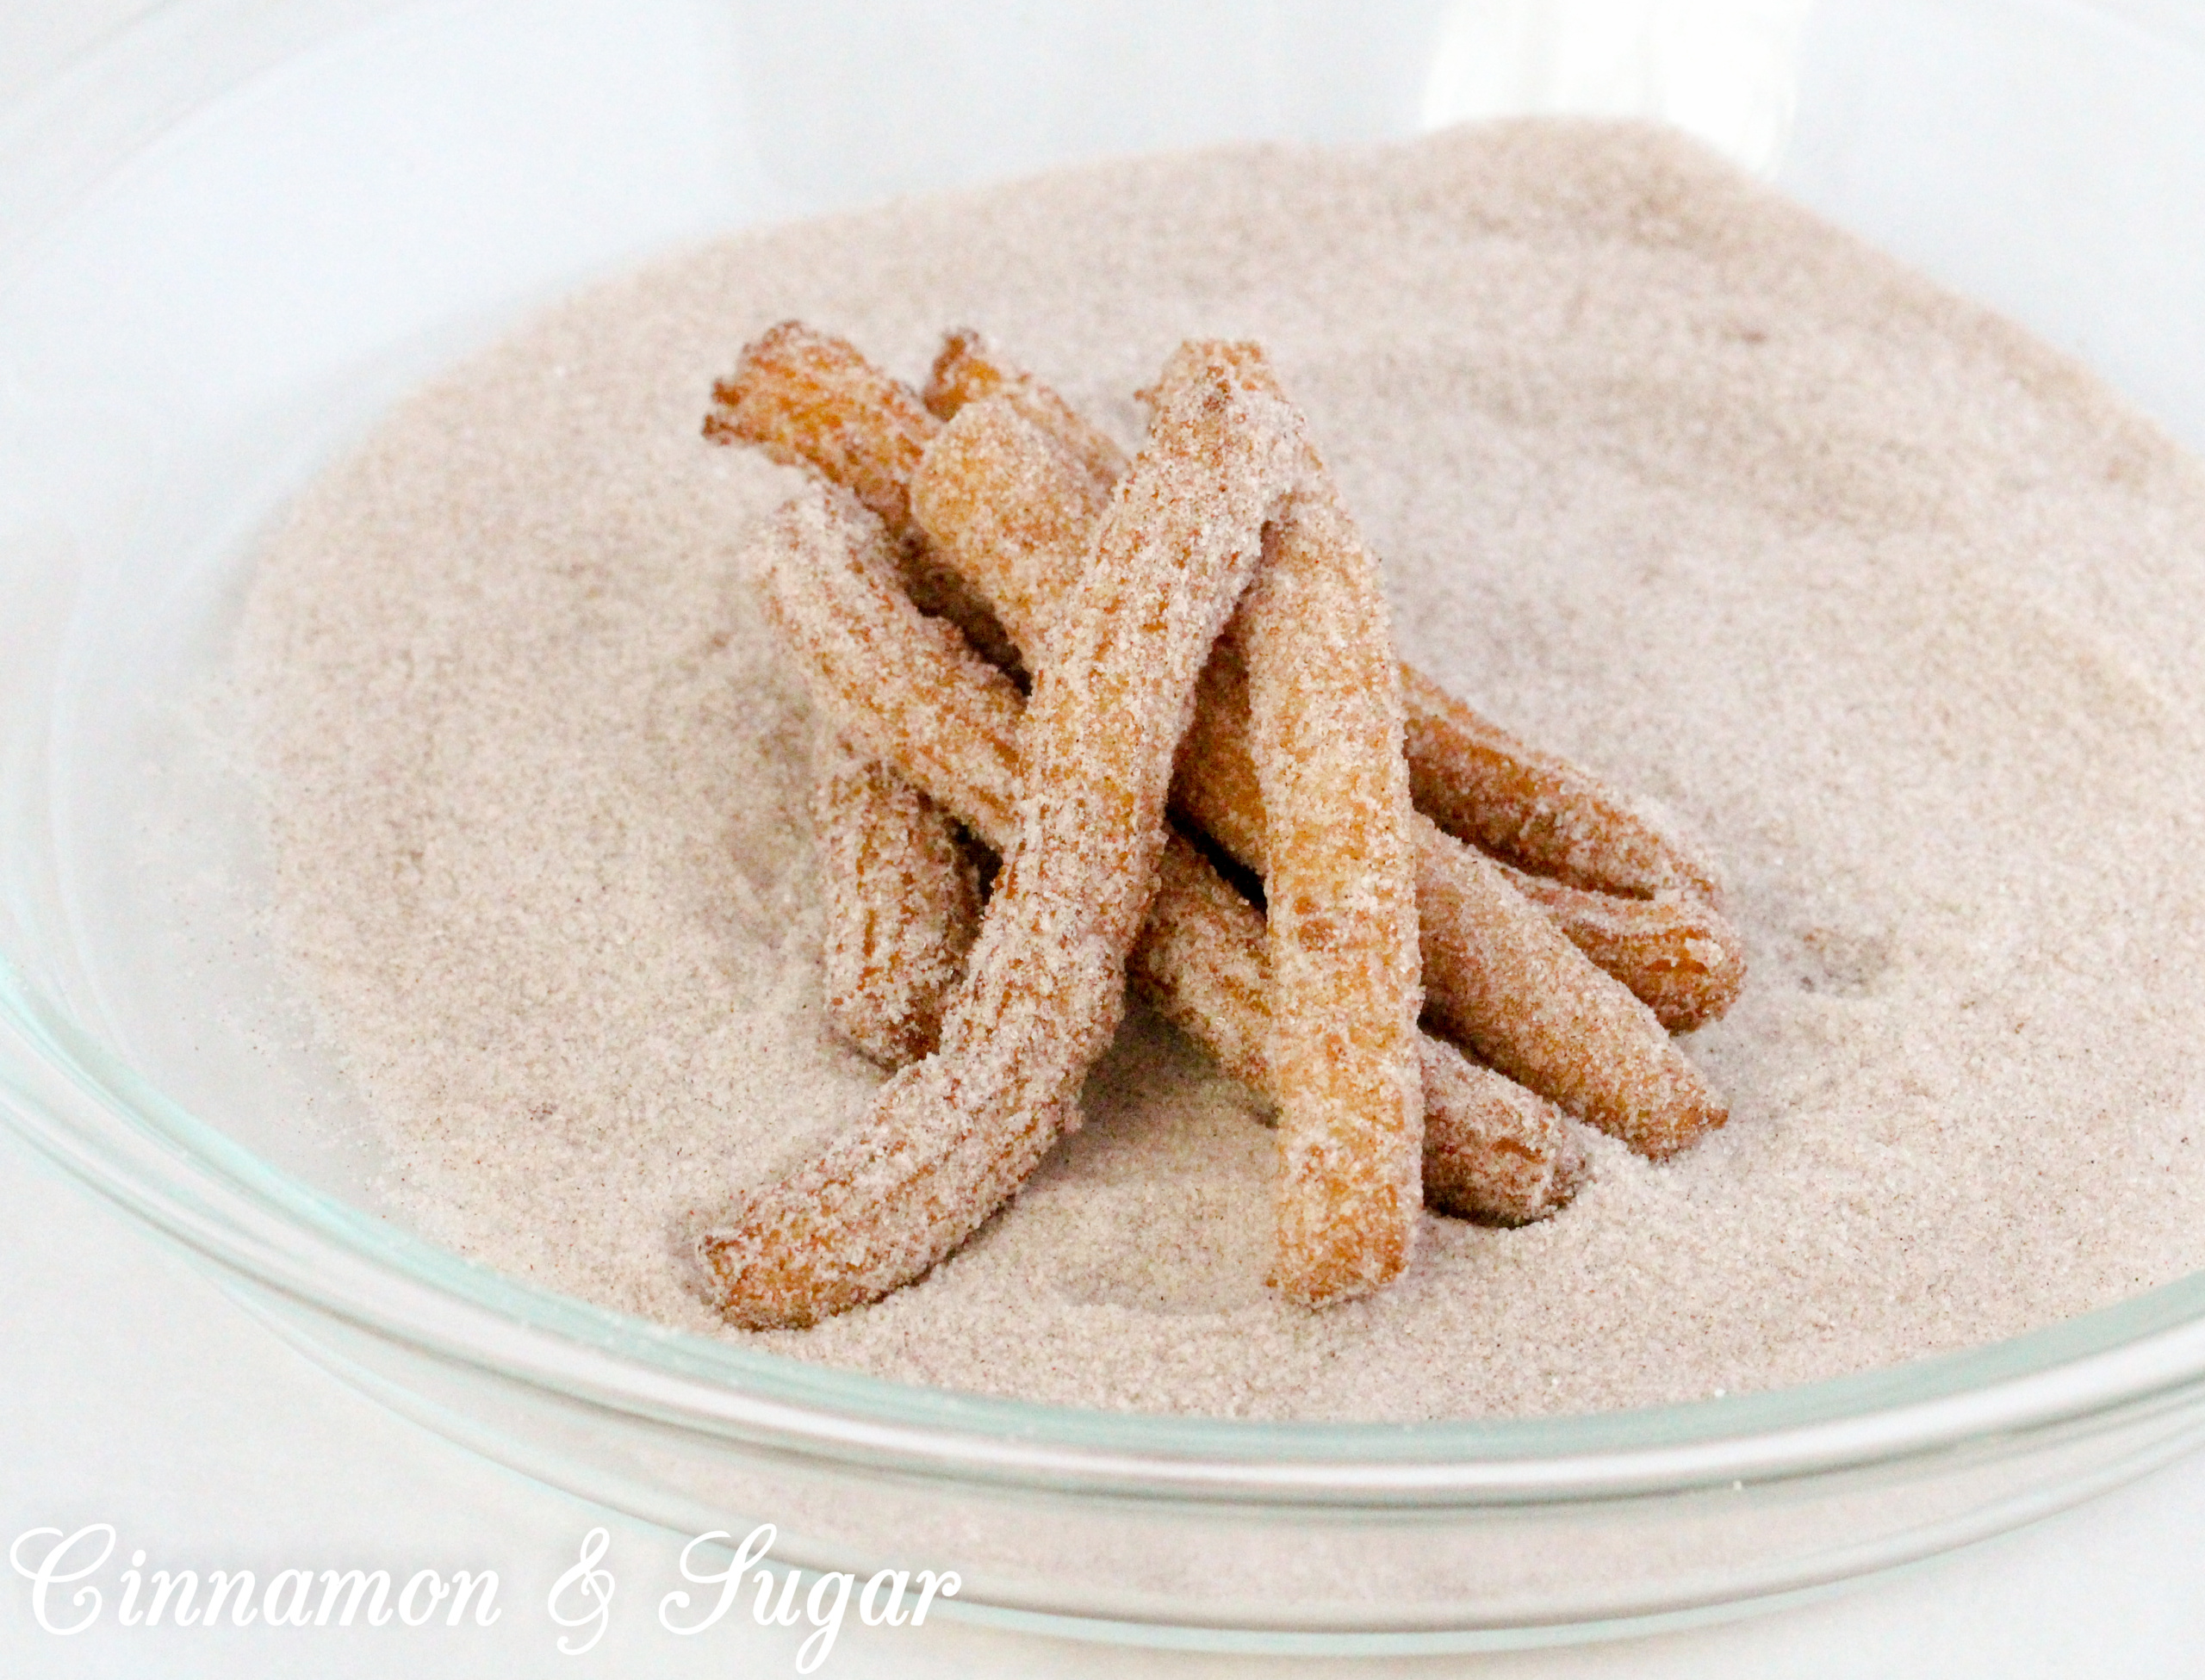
{"x":1536,"y":811}
{"x":1019,"y":508}
{"x":968,"y":368}
{"x":922,"y":700}
{"x":947,"y":1139}
{"x":1501,"y":980}
{"x":903,"y":902}
{"x":1556,"y":1024}
{"x":1325,"y":727}
{"x":1677,"y":952}
{"x":1492,"y":1151}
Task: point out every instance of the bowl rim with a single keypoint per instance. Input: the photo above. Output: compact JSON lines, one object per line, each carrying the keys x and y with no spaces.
{"x":81,"y":1107}
{"x":87,"y":1112}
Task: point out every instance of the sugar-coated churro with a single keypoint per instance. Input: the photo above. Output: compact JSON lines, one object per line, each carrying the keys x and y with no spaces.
{"x":1534,"y":810}
{"x":968,"y":367}
{"x":1676,"y":951}
{"x":1018,"y":508}
{"x":1508,"y":1157}
{"x":916,"y":696}
{"x":903,"y":904}
{"x":1324,"y":717}
{"x":807,"y":399}
{"x":948,"y":1138}
{"x":1676,"y":954}
{"x":1501,"y":980}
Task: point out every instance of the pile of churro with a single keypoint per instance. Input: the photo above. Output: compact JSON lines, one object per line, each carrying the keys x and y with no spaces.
{"x":1110,"y":724}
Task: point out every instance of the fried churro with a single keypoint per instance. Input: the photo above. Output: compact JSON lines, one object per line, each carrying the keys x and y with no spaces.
{"x":1499,"y":977}
{"x":1537,"y":811}
{"x":903,"y":902}
{"x":1492,"y":1150}
{"x":1676,"y":953}
{"x":1324,"y":728}
{"x":950,"y":1137}
{"x":968,"y":368}
{"x":919,"y":698}
{"x":1017,"y":506}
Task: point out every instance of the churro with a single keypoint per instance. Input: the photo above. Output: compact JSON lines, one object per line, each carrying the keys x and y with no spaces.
{"x":1016,"y":507}
{"x":920,"y":700}
{"x":948,"y":1138}
{"x":968,"y":367}
{"x":1676,"y":951}
{"x":1500,"y":980}
{"x":1534,"y":810}
{"x":1499,"y":977}
{"x":1020,"y":521}
{"x":1324,"y":728}
{"x":1342,"y":929}
{"x":1492,"y":1151}
{"x":903,"y":902}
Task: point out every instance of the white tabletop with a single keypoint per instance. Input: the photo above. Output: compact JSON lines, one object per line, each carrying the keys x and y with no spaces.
{"x":137,"y":1394}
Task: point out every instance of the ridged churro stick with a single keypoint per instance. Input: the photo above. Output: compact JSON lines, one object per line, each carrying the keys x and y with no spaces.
{"x":908,"y":693}
{"x":1492,"y":1151}
{"x":968,"y":369}
{"x":1477,"y":780}
{"x":1324,"y":728}
{"x":1339,"y":887}
{"x":1534,"y":810}
{"x":1676,"y":951}
{"x":1346,"y":987}
{"x":903,"y":904}
{"x":949,"y":1138}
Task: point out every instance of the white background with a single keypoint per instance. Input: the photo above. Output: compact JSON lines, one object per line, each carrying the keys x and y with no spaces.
{"x":133,"y":1393}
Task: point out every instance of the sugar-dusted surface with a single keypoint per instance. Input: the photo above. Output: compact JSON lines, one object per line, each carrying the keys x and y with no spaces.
{"x":1896,"y":607}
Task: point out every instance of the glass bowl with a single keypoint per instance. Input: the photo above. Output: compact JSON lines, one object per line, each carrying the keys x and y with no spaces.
{"x":235,"y":233}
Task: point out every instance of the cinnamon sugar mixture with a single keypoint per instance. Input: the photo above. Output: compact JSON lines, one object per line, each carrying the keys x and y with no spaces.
{"x":1897,"y":607}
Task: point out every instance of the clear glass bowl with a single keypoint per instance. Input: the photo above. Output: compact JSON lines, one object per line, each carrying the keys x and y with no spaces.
{"x":229,"y":237}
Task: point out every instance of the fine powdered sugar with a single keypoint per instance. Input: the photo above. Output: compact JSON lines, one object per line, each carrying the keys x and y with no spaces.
{"x":1895,"y":607}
